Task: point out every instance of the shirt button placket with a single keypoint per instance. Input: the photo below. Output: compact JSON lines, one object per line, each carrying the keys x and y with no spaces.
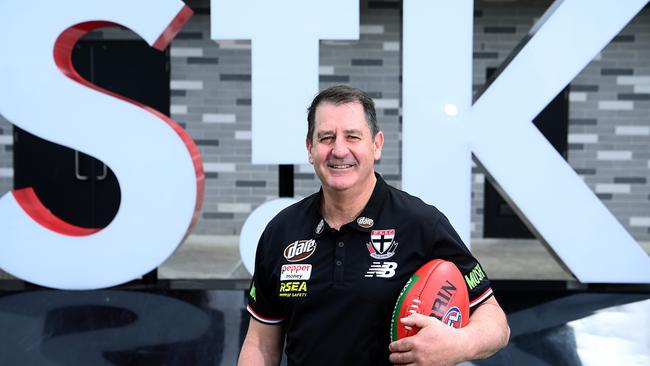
{"x":339,"y":261}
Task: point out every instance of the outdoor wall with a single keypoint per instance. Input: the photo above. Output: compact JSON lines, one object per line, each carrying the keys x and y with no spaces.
{"x":609,"y":111}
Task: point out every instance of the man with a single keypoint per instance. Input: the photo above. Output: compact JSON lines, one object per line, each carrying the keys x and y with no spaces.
{"x":329,"y":268}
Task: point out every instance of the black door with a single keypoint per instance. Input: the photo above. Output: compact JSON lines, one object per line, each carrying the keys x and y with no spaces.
{"x":75,"y":187}
{"x":499,"y":219}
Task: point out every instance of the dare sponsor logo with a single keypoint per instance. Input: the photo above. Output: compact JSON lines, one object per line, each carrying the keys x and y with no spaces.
{"x":365,"y":222}
{"x":293,"y":289}
{"x":295,"y":272}
{"x":300,"y":250}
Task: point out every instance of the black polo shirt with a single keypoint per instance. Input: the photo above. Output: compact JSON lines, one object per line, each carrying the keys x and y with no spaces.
{"x":334,"y":291}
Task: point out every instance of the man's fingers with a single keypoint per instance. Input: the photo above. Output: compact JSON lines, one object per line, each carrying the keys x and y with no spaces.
{"x":418,"y":320}
{"x":402,"y":352}
{"x":403,"y":345}
{"x":401,"y":358}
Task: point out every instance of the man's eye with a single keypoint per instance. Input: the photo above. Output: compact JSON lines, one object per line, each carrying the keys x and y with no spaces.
{"x":326,"y":138}
{"x":353,"y":137}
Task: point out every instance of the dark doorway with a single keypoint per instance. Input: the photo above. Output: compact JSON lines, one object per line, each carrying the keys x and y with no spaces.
{"x":76,"y":187}
{"x":499,"y":219}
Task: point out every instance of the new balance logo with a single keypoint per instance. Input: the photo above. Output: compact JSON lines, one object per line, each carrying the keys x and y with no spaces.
{"x":382,"y":269}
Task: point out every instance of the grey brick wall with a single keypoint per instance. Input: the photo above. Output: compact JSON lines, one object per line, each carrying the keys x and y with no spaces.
{"x":609,"y":132}
{"x":609,"y":110}
{"x":219,"y":109}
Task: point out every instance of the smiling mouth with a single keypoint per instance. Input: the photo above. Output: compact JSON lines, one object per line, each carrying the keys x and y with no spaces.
{"x":340,"y":166}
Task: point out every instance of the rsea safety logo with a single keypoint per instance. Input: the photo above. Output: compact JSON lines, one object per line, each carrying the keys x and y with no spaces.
{"x":293,"y":289}
{"x":475,"y":277}
{"x":300,"y":250}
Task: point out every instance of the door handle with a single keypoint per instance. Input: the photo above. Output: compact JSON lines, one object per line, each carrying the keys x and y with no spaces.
{"x":77,"y":173}
{"x":104,"y":173}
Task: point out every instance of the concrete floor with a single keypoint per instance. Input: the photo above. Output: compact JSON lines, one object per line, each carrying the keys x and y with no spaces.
{"x":201,"y":258}
{"x":204,"y":257}
{"x":207,"y":257}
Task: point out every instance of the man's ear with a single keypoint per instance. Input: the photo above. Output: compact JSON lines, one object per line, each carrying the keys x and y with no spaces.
{"x":378,"y":144}
{"x":308,"y":144}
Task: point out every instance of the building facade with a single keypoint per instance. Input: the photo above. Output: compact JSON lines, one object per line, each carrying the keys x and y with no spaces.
{"x":608,"y":109}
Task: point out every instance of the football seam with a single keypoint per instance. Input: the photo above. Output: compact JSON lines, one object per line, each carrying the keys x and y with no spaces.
{"x":419,"y":294}
{"x":427,"y":278}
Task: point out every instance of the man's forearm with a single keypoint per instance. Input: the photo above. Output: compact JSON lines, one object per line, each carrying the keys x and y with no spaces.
{"x":487,"y":331}
{"x":262,"y":345}
{"x":254,"y":356}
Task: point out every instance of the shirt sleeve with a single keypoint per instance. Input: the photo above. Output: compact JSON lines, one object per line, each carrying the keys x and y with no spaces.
{"x":263,"y":304}
{"x":449,"y":246}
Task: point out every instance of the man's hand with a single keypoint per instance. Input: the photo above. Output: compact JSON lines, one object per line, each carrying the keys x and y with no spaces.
{"x":439,"y":344}
{"x":435,"y":344}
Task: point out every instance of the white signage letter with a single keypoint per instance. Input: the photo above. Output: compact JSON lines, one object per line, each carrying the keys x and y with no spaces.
{"x":156,"y":162}
{"x":556,"y":203}
{"x":284,"y":37}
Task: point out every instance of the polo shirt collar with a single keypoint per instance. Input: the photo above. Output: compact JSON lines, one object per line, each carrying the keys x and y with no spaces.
{"x":366,"y":219}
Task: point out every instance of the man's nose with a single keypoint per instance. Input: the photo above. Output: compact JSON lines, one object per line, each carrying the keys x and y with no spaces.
{"x":340,"y":148}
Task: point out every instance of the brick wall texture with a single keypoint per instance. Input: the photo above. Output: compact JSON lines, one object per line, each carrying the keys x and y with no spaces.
{"x":609,"y":109}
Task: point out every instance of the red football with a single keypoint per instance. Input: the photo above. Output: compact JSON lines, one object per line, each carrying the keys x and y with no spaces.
{"x":437,"y":289}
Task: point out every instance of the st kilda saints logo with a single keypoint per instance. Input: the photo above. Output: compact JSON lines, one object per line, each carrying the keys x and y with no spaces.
{"x":382,"y":244}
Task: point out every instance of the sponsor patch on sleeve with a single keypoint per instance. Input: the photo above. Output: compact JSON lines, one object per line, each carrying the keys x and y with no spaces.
{"x":253,"y":293}
{"x":475,"y":277}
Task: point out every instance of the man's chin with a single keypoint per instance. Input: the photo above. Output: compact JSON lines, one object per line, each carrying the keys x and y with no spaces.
{"x":340,"y":184}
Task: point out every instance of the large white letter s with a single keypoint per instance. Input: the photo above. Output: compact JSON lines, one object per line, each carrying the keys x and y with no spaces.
{"x":157,"y":164}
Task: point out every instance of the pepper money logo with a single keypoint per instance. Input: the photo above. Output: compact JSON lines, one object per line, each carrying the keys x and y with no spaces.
{"x":300,"y":250}
{"x":295,"y":272}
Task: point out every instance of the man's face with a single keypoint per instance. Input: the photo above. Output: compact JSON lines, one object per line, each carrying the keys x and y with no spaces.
{"x":342,"y":149}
